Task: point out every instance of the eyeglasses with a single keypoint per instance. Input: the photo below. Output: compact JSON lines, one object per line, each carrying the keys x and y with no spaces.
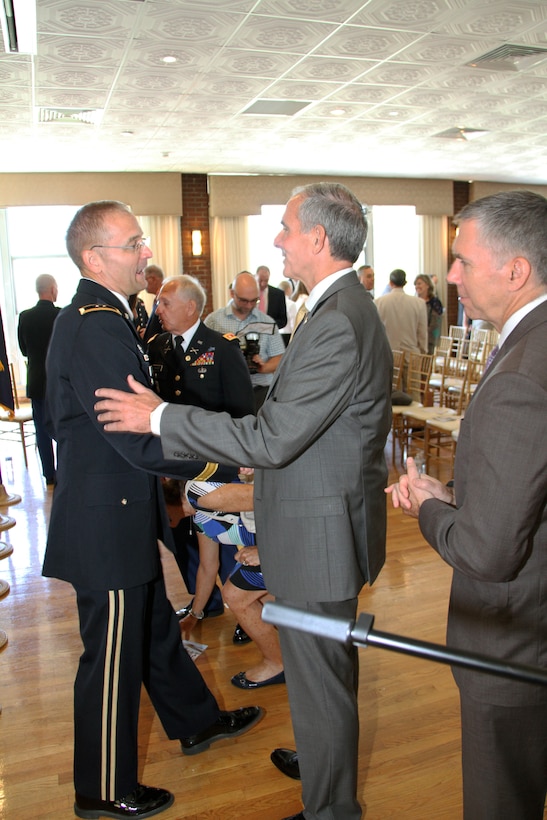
{"x":246,"y":301}
{"x":136,"y":247}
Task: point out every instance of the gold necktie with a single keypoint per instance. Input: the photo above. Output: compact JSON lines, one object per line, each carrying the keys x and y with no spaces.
{"x":301,"y":316}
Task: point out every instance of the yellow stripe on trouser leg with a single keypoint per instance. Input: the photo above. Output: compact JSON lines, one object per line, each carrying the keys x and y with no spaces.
{"x":116,"y":608}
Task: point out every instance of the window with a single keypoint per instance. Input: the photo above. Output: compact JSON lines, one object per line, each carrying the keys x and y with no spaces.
{"x":33,"y":242}
{"x":395,"y":243}
{"x":393,"y":239}
{"x":36,"y":242}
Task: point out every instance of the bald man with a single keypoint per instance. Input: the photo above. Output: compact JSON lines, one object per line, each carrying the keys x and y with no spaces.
{"x":34,"y":332}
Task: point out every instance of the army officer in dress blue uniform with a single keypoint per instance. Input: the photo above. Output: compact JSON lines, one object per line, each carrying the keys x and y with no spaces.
{"x":193,"y":364}
{"x":106,"y":517}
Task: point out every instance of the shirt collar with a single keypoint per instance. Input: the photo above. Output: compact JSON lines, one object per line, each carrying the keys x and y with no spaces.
{"x":188,"y":335}
{"x":518,"y":316}
{"x":123,"y":300}
{"x":323,"y":286}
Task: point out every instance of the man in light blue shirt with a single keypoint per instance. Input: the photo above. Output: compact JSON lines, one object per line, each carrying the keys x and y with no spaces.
{"x":240,"y":317}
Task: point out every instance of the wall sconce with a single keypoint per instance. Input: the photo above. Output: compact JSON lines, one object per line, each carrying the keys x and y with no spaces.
{"x":197,"y":249}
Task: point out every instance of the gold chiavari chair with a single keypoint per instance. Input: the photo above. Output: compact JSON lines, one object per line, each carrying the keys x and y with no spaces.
{"x":15,"y":420}
{"x":416,"y":384}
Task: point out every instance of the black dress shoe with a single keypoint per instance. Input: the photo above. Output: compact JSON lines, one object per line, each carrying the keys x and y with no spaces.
{"x":287,"y":762}
{"x":299,"y":816}
{"x":240,"y":636}
{"x":145,"y":801}
{"x":228,"y":724}
{"x":242,"y":681}
{"x":212,"y":613}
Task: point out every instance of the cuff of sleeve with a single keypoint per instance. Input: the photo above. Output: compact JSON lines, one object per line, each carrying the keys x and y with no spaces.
{"x":155,"y":418}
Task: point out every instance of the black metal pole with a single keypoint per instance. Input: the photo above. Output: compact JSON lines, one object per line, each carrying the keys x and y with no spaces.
{"x":361,"y":633}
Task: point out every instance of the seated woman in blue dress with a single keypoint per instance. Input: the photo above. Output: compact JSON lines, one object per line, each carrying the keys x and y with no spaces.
{"x":216,"y":509}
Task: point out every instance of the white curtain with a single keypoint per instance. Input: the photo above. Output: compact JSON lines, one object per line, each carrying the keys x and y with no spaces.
{"x":433,"y":254}
{"x":165,"y":242}
{"x":229,"y":254}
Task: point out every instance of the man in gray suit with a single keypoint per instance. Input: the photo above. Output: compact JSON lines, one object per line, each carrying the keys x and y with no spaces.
{"x":318,"y":449}
{"x":493,"y":529}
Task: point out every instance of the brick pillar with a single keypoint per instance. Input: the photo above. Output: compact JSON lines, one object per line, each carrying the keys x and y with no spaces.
{"x":460,"y":195}
{"x":195,"y":208}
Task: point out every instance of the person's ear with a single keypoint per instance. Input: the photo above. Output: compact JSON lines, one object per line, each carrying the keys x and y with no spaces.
{"x":92,"y":260}
{"x":520,"y":271}
{"x":319,"y":238}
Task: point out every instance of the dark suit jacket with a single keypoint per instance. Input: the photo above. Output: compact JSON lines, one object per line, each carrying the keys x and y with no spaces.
{"x":107,"y":513}
{"x":34,"y":332}
{"x":318,"y":446}
{"x":211,"y":374}
{"x":277,"y":308}
{"x":153,"y":326}
{"x":496,"y":536}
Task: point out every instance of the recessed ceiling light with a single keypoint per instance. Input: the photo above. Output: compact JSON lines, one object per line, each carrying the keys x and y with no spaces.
{"x":127,"y":133}
{"x":393,"y":113}
{"x":169,"y":59}
{"x":338,"y":112}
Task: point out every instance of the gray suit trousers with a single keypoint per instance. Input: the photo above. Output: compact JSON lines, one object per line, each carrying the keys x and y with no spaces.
{"x":322,"y":677}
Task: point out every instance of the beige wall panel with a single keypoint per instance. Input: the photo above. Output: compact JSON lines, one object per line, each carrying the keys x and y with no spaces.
{"x":480,"y":189}
{"x":244,"y":195}
{"x":157,"y":194}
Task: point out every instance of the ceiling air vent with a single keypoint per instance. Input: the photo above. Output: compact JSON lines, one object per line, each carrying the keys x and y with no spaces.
{"x":280,"y":108}
{"x":510,"y":58}
{"x":87,"y":116}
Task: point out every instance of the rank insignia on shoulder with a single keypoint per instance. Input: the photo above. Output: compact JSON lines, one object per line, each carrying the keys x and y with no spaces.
{"x":83,"y":311}
{"x":230,"y":337}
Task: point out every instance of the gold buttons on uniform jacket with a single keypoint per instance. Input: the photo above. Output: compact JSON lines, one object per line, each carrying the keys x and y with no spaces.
{"x":178,"y":392}
{"x":187,"y":358}
{"x":124,"y":501}
{"x":177,"y":378}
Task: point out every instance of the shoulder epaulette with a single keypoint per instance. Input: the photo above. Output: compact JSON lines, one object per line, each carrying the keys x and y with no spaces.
{"x":93,"y":308}
{"x":230,"y":337}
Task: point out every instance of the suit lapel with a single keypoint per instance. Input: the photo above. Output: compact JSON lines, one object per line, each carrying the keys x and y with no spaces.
{"x":347,"y":280}
{"x":535,"y":317}
{"x":100,"y":295}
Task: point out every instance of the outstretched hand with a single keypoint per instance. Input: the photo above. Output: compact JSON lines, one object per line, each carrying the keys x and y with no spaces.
{"x":122,"y":412}
{"x":413,"y":489}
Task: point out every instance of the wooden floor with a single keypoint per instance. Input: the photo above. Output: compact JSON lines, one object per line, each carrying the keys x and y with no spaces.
{"x":409,"y":754}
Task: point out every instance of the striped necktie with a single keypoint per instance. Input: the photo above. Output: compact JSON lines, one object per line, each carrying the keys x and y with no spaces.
{"x":491,"y":356}
{"x":301,"y":316}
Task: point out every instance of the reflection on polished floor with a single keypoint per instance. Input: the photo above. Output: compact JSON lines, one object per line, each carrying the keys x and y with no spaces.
{"x":409,"y":761}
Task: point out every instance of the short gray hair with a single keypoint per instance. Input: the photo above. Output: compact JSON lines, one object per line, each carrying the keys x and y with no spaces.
{"x":88,"y":227}
{"x":45,"y":282}
{"x":340,"y":213}
{"x":512,"y":223}
{"x":188,"y":287}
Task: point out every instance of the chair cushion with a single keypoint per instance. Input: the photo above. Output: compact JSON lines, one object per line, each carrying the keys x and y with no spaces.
{"x":400,"y":398}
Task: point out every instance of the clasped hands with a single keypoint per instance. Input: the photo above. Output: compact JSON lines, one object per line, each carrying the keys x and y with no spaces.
{"x":413,"y":488}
